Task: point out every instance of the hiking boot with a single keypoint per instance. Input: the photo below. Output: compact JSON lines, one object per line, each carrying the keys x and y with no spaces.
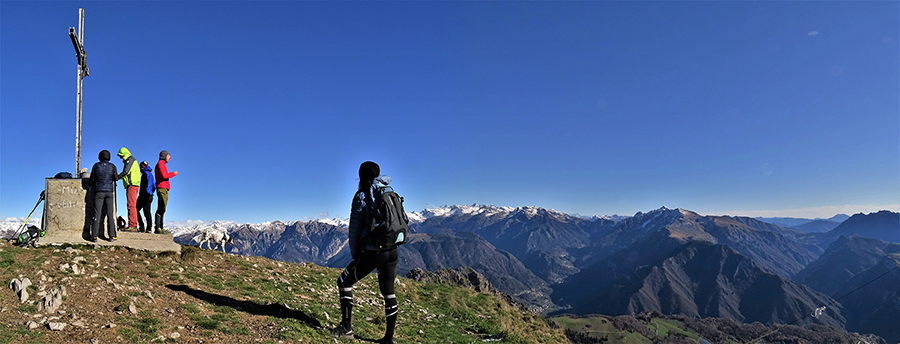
{"x":113,"y":239}
{"x":342,"y":331}
{"x":93,"y":239}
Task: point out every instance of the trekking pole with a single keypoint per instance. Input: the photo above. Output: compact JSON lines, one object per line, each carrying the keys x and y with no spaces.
{"x":16,"y":233}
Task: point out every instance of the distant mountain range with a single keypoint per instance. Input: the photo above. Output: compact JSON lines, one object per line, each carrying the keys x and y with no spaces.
{"x":673,"y":261}
{"x":884,"y":225}
{"x":696,"y":279}
{"x":844,"y":272}
{"x":793,"y":222}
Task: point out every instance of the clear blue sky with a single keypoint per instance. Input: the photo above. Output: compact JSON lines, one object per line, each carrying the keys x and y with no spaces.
{"x":746,"y":108}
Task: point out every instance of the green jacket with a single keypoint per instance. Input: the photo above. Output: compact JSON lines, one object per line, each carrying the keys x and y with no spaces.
{"x":131,"y":173}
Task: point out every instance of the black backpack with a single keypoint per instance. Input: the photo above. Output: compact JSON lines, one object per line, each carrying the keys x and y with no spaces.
{"x":29,"y":237}
{"x":390,"y":226}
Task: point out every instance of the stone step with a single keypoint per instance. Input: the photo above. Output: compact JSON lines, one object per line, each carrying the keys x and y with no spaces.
{"x":133,"y":240}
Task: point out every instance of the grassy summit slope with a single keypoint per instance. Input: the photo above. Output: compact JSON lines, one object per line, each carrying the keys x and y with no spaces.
{"x":139,"y":297}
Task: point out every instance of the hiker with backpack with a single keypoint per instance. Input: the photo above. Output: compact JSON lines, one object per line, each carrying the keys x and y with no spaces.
{"x":104,"y":176}
{"x":145,"y":198}
{"x":378,"y":224}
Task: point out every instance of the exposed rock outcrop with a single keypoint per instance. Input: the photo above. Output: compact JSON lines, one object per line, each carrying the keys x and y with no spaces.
{"x":464,"y":277}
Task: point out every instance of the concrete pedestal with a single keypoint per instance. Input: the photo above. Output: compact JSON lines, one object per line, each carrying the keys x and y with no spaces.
{"x":68,"y":214}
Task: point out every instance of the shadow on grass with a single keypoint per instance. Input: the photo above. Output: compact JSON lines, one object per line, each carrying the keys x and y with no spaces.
{"x":273,"y":310}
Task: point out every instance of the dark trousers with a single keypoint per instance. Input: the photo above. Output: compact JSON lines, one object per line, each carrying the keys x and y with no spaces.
{"x":104,"y":201}
{"x":386,"y":262}
{"x":161,"y":206}
{"x":143,"y":207}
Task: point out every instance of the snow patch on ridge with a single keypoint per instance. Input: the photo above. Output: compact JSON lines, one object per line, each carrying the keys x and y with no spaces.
{"x":334,"y":222}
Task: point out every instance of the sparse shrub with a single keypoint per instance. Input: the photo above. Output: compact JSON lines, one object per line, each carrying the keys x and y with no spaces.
{"x":207,"y":323}
{"x":241,"y":330}
{"x":147,"y":325}
{"x":27,"y":308}
{"x":168,"y":254}
{"x":6,"y":259}
{"x":127,"y":333}
{"x":190,"y":253}
{"x":576,"y":337}
{"x":190,"y":307}
{"x":223,"y":309}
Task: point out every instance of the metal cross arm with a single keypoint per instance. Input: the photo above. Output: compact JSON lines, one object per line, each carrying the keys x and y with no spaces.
{"x":79,"y":50}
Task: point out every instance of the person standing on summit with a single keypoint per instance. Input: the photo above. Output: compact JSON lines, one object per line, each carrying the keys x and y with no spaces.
{"x":162,"y":187}
{"x":145,"y":199}
{"x":103,"y":176}
{"x":131,"y":181}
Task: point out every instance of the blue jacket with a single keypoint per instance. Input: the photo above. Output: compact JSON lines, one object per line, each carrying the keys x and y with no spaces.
{"x":103,"y":175}
{"x":148,"y":184}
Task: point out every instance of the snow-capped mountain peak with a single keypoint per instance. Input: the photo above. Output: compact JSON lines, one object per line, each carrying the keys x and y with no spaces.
{"x":334,"y":222}
{"x":451,"y":210}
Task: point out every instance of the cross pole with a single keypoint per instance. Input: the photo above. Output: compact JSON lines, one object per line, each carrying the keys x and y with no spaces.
{"x":78,"y":43}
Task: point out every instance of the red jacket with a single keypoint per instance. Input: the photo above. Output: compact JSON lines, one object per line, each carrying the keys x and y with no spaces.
{"x":162,"y":175}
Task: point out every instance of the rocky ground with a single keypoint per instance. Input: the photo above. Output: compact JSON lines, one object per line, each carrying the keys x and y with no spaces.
{"x":83,"y":294}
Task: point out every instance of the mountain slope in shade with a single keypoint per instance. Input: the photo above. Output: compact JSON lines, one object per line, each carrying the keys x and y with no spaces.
{"x":884,"y":225}
{"x":765,"y":226}
{"x":772,"y":246}
{"x":542,"y":239}
{"x":778,"y":252}
{"x":792,"y":222}
{"x":817,"y":226}
{"x":297,"y":242}
{"x":456,"y":249}
{"x":844,"y":259}
{"x":449,"y":249}
{"x":695,"y":279}
{"x":875,"y":308}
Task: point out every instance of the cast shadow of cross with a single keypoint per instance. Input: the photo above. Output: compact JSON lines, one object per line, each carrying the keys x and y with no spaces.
{"x":273,"y":310}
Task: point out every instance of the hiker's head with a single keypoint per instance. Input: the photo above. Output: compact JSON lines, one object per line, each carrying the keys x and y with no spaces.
{"x":143,"y":164}
{"x":124,"y":154}
{"x":368,"y":171}
{"x":104,"y":155}
{"x":164,"y":155}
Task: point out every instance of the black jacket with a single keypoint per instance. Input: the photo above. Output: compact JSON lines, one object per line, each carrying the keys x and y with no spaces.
{"x":103,"y":175}
{"x":361,"y":211}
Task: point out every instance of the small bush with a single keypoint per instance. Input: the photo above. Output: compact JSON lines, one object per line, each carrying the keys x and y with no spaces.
{"x":190,"y":307}
{"x":207,"y":323}
{"x":27,"y":308}
{"x":190,"y":253}
{"x":169,"y":254}
{"x":147,"y":325}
